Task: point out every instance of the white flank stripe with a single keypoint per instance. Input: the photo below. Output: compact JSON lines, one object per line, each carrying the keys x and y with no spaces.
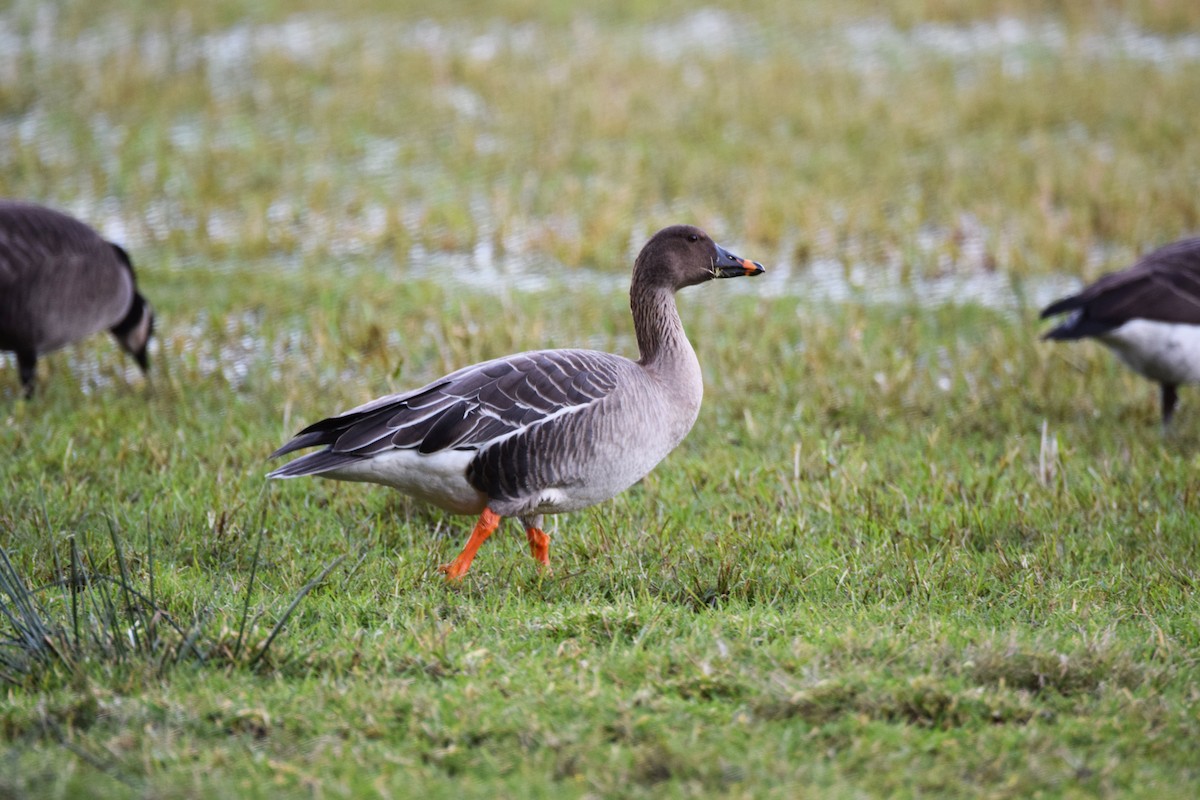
{"x":438,"y":478}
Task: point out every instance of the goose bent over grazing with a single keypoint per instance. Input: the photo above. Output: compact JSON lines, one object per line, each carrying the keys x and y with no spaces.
{"x":540,"y":432}
{"x":59,"y":283}
{"x":1149,"y":314}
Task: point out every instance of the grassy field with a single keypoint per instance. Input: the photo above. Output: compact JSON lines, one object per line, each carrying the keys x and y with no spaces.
{"x":908,"y":550}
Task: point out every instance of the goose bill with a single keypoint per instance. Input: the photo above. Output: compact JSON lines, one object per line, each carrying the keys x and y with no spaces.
{"x":730,"y":266}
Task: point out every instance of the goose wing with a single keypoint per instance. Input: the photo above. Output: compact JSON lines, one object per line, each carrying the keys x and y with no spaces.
{"x":1163,"y":286}
{"x":25,"y":233}
{"x":466,"y":410}
{"x":41,"y":244}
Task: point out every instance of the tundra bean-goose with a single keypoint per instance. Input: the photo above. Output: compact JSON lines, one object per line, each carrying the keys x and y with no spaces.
{"x":61,"y":282}
{"x":1149,"y":314}
{"x":540,"y":432}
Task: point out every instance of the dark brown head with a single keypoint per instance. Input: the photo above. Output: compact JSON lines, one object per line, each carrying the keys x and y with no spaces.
{"x":683,"y":255}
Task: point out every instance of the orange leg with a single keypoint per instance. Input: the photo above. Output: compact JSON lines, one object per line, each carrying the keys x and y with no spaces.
{"x":539,"y":546}
{"x":488,"y":521}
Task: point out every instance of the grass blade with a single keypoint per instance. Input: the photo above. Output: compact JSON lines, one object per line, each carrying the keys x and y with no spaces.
{"x":308,"y":587}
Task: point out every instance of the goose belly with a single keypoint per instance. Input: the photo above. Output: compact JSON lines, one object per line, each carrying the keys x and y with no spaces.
{"x":601,"y":484}
{"x":603,"y":468}
{"x":1168,"y":352}
{"x":437,"y":478}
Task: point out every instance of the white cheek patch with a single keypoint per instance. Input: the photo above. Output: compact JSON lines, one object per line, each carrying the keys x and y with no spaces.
{"x":136,"y":337}
{"x":143,"y":328}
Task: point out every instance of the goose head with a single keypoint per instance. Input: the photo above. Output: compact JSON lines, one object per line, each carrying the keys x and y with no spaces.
{"x":134,"y":330}
{"x":684,"y":255}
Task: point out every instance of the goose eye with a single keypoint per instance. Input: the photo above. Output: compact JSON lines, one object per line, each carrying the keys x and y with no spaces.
{"x":693,"y":237}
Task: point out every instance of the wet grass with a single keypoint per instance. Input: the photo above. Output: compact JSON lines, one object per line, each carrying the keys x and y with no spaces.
{"x":907,"y":550}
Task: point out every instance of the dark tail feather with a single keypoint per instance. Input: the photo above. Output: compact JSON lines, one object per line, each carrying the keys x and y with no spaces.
{"x":1079,"y":327}
{"x":306,"y":438}
{"x":1059,"y":306}
{"x":313,"y":464}
{"x":325,"y":432}
{"x":1061,"y":332}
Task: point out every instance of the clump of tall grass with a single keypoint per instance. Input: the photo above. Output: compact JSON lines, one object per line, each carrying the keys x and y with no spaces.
{"x":89,"y":616}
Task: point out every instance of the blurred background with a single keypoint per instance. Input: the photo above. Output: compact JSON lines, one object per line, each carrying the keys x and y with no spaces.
{"x":852,"y":147}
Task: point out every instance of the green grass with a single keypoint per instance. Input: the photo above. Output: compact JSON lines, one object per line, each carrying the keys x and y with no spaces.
{"x":908,"y":549}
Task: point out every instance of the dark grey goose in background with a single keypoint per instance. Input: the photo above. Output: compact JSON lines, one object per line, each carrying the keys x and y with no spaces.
{"x":1149,"y":314}
{"x":61,"y":282}
{"x":540,"y":432}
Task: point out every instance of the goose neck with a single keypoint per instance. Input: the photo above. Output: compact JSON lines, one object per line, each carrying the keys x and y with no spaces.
{"x":656,"y":321}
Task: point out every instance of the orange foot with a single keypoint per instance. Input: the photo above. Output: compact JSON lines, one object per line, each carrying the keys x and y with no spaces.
{"x":539,"y":547}
{"x":488,"y":521}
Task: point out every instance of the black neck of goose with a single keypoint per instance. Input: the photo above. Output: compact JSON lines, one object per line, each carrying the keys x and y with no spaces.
{"x":656,"y":322}
{"x":137,"y":308}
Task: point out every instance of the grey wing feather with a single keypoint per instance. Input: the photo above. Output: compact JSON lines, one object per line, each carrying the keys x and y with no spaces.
{"x":32,"y":236}
{"x":469,"y":409}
